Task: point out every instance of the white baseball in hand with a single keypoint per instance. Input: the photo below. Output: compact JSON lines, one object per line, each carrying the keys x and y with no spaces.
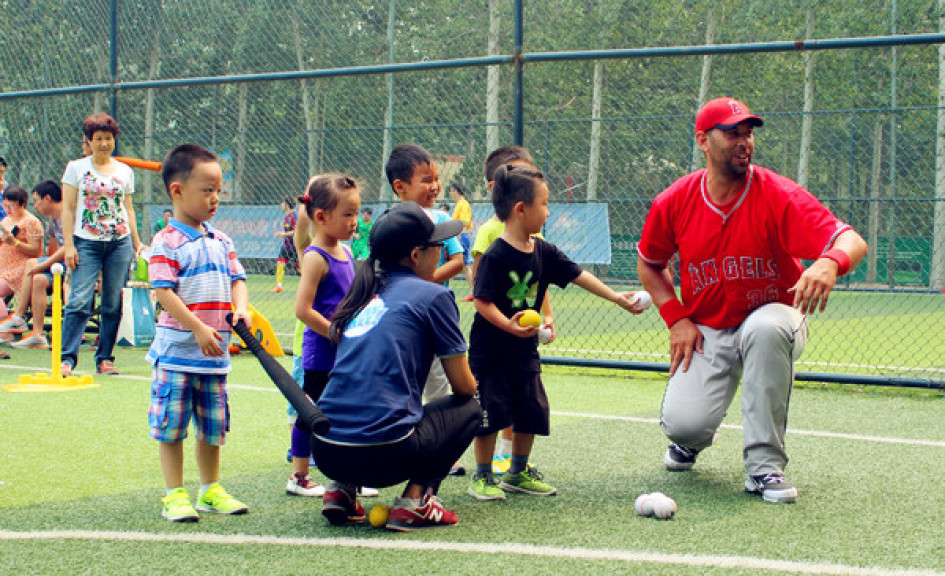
{"x":544,"y":335}
{"x":56,"y":269}
{"x":643,"y":299}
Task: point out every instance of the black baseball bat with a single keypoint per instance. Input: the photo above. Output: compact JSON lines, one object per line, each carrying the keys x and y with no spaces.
{"x":310,"y":417}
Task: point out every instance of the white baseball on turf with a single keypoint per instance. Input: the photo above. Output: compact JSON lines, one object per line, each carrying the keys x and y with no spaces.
{"x":56,"y":269}
{"x":544,"y":335}
{"x":644,"y":505}
{"x":643,"y":299}
{"x":664,"y":508}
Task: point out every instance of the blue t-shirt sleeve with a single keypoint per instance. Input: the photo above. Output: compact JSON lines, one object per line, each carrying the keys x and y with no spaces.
{"x":452,"y":246}
{"x":444,"y":320}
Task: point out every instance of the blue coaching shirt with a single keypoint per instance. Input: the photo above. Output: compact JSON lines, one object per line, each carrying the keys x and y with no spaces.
{"x":374,"y":394}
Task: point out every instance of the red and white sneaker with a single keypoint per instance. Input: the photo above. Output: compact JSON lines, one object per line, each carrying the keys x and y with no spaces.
{"x":303,"y":485}
{"x":106,"y":367}
{"x":430,"y":514}
{"x":340,"y":508}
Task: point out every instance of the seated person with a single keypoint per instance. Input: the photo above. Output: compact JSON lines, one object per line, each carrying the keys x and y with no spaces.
{"x":21,"y":236}
{"x":37,"y":279}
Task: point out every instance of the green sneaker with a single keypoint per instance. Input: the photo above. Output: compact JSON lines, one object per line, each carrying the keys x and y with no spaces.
{"x":177,"y":507}
{"x":528,"y":482}
{"x":485,"y":488}
{"x":215,"y":499}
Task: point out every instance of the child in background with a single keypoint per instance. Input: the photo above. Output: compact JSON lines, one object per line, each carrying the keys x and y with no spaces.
{"x":331,"y":205}
{"x":196,"y":277}
{"x":463,"y":213}
{"x":287,"y":253}
{"x":359,"y":242}
{"x":513,"y":276}
{"x":413,"y":176}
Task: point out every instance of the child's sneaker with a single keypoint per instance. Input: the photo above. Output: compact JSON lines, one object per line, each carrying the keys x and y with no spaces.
{"x":679,"y":458}
{"x":527,"y":481}
{"x":501,"y":464}
{"x":65,"y":369}
{"x":216,"y":499}
{"x":485,"y":488}
{"x":340,"y":508}
{"x":14,"y":324}
{"x":106,"y":367}
{"x":430,"y":514}
{"x":177,"y":507}
{"x":772,"y":488}
{"x":31,"y":341}
{"x":300,"y":485}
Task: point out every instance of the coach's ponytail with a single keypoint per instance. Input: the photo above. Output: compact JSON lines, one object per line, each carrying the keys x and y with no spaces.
{"x":367,"y":282}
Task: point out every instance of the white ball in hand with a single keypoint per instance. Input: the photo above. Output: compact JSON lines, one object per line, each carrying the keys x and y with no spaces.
{"x":643,"y":299}
{"x":544,"y":335}
{"x":57,"y":269}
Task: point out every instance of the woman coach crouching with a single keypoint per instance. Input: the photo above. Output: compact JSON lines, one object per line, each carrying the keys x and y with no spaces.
{"x":389,"y":328}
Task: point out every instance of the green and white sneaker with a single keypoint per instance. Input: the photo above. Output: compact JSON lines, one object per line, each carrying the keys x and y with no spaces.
{"x":177,"y":507}
{"x":216,"y":499}
{"x":527,"y":481}
{"x":485,"y":488}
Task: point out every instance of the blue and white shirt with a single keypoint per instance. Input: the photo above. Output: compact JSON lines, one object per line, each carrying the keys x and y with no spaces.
{"x":375,"y":392}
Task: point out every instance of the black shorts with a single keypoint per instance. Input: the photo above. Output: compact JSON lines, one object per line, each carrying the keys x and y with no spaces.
{"x":315,"y":383}
{"x":514,"y":398}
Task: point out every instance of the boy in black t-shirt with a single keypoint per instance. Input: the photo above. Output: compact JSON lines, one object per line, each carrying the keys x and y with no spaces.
{"x":513,"y":276}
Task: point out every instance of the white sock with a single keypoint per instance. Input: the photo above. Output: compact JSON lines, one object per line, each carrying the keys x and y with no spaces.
{"x":401,"y":502}
{"x":169,"y":490}
{"x":505,"y":447}
{"x":205,"y":487}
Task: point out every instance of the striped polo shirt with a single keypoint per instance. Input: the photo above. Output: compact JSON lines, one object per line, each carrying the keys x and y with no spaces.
{"x":200,"y":267}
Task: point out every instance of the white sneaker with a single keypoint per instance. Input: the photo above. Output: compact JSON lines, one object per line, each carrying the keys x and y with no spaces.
{"x":772,"y":487}
{"x":14,"y":324}
{"x":365,"y":492}
{"x":304,"y":487}
{"x":31,"y":341}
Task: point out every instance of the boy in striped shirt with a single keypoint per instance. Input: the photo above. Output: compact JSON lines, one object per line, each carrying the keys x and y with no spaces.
{"x":196,"y":276}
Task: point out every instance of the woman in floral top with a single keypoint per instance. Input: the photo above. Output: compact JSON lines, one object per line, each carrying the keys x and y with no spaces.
{"x":99,"y":235}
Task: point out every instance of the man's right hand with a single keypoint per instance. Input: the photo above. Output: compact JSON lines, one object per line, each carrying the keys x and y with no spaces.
{"x":684,"y":340}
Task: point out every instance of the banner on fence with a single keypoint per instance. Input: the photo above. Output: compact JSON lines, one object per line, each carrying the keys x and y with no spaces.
{"x":582,"y":231}
{"x":251,"y":226}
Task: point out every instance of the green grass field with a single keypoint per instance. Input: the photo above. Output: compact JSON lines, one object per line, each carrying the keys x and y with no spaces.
{"x":80,"y":489}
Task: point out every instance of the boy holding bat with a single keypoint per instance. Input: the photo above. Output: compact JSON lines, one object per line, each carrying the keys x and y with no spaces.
{"x":196,"y":277}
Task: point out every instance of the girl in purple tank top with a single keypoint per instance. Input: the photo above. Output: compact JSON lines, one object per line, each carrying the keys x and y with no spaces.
{"x":332,"y":202}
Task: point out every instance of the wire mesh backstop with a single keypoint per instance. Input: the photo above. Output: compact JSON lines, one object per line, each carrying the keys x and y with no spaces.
{"x":602,"y":93}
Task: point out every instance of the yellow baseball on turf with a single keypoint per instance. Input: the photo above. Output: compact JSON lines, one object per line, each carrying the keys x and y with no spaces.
{"x":379,"y":514}
{"x":529,"y":318}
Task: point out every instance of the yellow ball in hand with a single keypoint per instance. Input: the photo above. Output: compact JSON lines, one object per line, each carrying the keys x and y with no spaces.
{"x":529,"y":318}
{"x":379,"y":514}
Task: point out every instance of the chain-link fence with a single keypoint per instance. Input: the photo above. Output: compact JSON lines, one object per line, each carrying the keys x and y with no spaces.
{"x":284,"y":90}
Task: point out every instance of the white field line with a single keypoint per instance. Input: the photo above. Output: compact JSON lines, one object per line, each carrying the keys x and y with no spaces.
{"x":515,"y":549}
{"x":934,"y":369}
{"x":792,"y":431}
{"x":635,"y":419}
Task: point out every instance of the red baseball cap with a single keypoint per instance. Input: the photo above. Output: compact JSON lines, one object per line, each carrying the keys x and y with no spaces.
{"x":724,"y":113}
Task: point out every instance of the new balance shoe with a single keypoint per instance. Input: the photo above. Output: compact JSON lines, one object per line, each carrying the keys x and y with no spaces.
{"x":32,"y":341}
{"x":340,"y":508}
{"x":106,"y":367}
{"x":14,"y":325}
{"x":365,"y":492}
{"x":485,"y":488}
{"x":679,"y":458}
{"x":300,"y":485}
{"x":772,"y":488}
{"x":430,"y":514}
{"x":501,"y":464}
{"x":216,"y":499}
{"x":177,"y":507}
{"x":527,"y":481}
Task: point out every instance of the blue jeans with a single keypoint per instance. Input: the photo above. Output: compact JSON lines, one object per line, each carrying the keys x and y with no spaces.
{"x":113,"y":258}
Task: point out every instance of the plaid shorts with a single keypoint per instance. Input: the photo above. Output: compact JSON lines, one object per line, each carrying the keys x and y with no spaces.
{"x":178,"y":396}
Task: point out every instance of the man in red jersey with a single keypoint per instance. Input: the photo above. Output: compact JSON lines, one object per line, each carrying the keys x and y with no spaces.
{"x":740,"y":231}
